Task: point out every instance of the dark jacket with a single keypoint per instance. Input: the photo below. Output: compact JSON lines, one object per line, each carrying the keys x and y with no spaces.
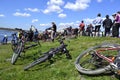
{"x":54,"y":27}
{"x":107,"y":23}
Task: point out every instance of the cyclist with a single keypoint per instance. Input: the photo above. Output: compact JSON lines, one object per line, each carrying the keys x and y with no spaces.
{"x":53,"y":33}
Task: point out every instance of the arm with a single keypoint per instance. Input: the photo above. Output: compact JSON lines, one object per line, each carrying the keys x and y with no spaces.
{"x":116,"y":18}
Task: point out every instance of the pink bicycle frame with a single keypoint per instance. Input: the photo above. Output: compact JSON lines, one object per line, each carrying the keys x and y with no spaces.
{"x":104,"y":57}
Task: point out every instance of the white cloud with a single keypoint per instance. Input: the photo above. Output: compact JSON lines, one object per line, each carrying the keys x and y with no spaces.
{"x":62,"y":26}
{"x":34,"y":20}
{"x":88,"y":20}
{"x":62,"y":15}
{"x":22,"y":14}
{"x":99,"y":1}
{"x":45,"y":25}
{"x":2,"y":15}
{"x":55,"y":2}
{"x":74,"y":24}
{"x":78,"y":5}
{"x":54,"y":6}
{"x":32,"y":9}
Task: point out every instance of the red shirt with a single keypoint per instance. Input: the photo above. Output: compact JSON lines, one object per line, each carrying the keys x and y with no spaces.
{"x":82,"y":25}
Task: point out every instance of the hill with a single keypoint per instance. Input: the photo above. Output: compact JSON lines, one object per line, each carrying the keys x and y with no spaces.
{"x":60,"y":69}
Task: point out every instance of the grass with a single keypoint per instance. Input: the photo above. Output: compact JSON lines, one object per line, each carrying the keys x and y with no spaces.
{"x":61,"y":69}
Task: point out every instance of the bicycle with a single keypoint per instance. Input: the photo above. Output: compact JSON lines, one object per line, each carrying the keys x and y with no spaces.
{"x":19,"y":46}
{"x":49,"y":54}
{"x":104,"y":58}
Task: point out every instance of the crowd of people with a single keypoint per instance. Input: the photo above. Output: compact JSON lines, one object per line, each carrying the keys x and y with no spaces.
{"x":111,"y":28}
{"x":33,"y":34}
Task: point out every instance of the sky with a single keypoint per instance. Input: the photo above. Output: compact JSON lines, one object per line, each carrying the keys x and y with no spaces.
{"x":65,"y":13}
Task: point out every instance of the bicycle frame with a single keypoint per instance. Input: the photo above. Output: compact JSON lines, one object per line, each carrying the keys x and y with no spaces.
{"x":49,"y":54}
{"x":104,"y":57}
{"x":114,"y":67}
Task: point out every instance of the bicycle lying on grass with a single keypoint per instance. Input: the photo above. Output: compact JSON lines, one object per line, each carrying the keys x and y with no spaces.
{"x":19,"y":46}
{"x":49,"y":54}
{"x":104,"y":58}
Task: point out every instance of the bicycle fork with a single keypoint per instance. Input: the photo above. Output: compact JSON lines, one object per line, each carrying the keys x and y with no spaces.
{"x":115,"y":68}
{"x":67,"y":53}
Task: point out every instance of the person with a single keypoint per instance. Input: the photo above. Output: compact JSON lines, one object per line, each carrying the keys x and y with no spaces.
{"x":53,"y":33}
{"x":97,"y":22}
{"x":45,"y":35}
{"x":89,"y":30}
{"x":69,"y":31}
{"x":5,"y":39}
{"x":21,"y":34}
{"x":76,"y":32}
{"x":113,"y":26}
{"x":81,"y":28}
{"x":14,"y":38}
{"x":117,"y":24}
{"x":31,"y":32}
{"x":33,"y":28}
{"x":36,"y":33}
{"x":107,"y":24}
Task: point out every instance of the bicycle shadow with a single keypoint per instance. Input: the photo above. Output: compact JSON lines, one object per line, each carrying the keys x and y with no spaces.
{"x":46,"y":63}
{"x":42,"y":65}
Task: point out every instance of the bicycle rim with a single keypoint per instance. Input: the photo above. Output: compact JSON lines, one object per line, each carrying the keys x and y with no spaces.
{"x":87,"y":64}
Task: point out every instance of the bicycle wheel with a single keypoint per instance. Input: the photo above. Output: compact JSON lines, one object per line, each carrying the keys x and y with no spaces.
{"x":38,"y":61}
{"x":89,"y":63}
{"x":17,"y":52}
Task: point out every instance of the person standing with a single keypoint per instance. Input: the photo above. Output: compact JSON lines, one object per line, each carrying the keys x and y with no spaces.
{"x":97,"y":22}
{"x":5,"y":39}
{"x":36,"y":33}
{"x":107,"y":24}
{"x":31,"y":32}
{"x":117,"y":24}
{"x":113,"y":25}
{"x":82,"y":28}
{"x":54,"y":30}
{"x":89,"y":30}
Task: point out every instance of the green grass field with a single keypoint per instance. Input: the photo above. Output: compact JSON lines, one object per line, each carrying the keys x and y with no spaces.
{"x":60,"y":69}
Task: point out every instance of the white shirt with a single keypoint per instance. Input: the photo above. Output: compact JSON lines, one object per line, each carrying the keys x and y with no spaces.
{"x":98,"y":21}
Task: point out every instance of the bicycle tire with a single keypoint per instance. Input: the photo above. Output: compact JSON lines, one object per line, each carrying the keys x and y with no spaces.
{"x":38,"y":61}
{"x":95,"y":71}
{"x":17,"y":53}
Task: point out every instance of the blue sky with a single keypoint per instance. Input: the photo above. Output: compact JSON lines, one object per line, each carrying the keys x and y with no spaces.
{"x":40,"y":13}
